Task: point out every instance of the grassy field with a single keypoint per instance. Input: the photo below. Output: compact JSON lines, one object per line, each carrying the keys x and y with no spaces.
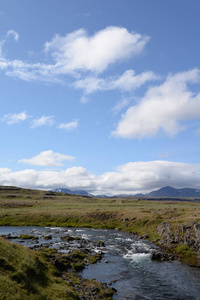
{"x":41,"y":208}
{"x":33,"y":207}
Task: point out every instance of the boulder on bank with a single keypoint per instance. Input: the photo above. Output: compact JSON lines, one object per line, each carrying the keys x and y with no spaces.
{"x":188,"y":234}
{"x":161,"y":256}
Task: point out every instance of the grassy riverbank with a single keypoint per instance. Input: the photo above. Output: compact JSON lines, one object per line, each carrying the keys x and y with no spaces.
{"x":27,"y":274}
{"x":24,"y":274}
{"x":21,"y":207}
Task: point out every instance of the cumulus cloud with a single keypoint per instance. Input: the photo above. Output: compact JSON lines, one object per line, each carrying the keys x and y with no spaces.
{"x":44,"y":120}
{"x":69,"y":126}
{"x":90,"y":84}
{"x":11,"y":119}
{"x":127,"y":82}
{"x":77,"y":52}
{"x":164,"y":108}
{"x":75,"y":177}
{"x":47,"y":159}
{"x":130,"y":81}
{"x":131,"y":178}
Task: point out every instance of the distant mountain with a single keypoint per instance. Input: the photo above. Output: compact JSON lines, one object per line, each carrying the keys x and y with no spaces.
{"x":169,"y":191}
{"x":139,"y":195}
{"x":81,"y":192}
{"x":62,"y":190}
{"x":165,"y":192}
{"x":67,"y":191}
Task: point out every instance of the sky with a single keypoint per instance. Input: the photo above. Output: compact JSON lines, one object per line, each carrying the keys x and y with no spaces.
{"x":102,"y":96}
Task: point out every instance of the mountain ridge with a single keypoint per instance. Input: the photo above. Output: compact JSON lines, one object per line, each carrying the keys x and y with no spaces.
{"x":169,"y":191}
{"x":166,"y":191}
{"x":68,"y":191}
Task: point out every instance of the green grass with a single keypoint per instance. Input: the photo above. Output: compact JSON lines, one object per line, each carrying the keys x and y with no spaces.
{"x":183,"y":249}
{"x":27,"y":274}
{"x":187,"y":255}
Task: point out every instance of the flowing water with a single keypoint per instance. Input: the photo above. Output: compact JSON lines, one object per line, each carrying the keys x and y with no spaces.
{"x":126,"y":264}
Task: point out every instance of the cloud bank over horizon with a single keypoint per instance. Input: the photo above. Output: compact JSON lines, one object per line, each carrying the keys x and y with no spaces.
{"x":130,"y":178}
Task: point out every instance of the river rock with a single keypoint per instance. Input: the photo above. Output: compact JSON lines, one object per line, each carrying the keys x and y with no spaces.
{"x":61,"y":263}
{"x":143,"y":237}
{"x":9,"y":236}
{"x":161,"y":256}
{"x":48,"y":237}
{"x":67,"y":238}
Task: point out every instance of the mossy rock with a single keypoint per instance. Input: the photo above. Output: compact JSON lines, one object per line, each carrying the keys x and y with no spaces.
{"x":28,"y":237}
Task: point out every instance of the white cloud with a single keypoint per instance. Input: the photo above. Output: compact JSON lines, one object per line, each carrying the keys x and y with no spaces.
{"x":121,"y":104}
{"x":90,"y":85}
{"x":163,"y":108}
{"x":75,"y":177}
{"x":14,"y":34}
{"x":146,"y":176}
{"x":14,"y":118}
{"x":3,"y":63}
{"x":47,"y":159}
{"x":44,"y":120}
{"x":78,"y":51}
{"x":69,"y":126}
{"x":131,"y":178}
{"x":28,"y":72}
{"x":38,"y":122}
{"x":128,"y":82}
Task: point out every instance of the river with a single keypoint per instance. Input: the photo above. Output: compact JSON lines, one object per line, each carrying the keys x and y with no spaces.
{"x":126,"y":264}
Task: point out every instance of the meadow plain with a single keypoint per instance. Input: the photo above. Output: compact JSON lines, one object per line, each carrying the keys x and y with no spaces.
{"x":25,"y":207}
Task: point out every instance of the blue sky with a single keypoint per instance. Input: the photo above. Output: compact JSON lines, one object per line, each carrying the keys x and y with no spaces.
{"x":100,"y":95}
